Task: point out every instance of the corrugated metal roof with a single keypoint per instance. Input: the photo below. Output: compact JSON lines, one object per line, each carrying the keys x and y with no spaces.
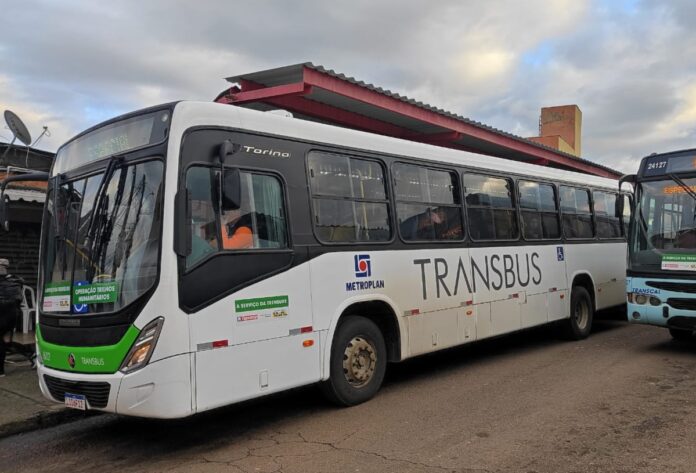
{"x":26,"y":195}
{"x":294,"y":73}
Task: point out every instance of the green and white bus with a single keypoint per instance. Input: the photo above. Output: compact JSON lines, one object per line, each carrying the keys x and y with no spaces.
{"x":196,"y":255}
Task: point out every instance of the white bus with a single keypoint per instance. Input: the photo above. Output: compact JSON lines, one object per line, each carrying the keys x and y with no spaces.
{"x":196,"y":255}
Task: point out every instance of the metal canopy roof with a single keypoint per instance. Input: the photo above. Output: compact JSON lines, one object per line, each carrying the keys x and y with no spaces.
{"x":314,"y":93}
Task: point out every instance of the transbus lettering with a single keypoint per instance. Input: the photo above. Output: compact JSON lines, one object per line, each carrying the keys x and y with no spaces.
{"x":496,"y":258}
{"x":479,"y":272}
{"x":508,"y":267}
{"x":536,"y":280}
{"x":440,"y":276}
{"x":519,"y":278}
{"x":422,"y":263}
{"x":485,"y":278}
{"x":460,"y":272}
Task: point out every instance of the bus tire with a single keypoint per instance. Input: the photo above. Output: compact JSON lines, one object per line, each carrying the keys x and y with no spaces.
{"x":579,"y":325}
{"x":681,"y":335}
{"x":358,"y":362}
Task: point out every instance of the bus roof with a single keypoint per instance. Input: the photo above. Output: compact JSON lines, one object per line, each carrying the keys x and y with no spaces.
{"x":189,"y":114}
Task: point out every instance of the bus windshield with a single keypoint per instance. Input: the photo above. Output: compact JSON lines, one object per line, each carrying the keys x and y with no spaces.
{"x":665,"y":228}
{"x":101,"y":239}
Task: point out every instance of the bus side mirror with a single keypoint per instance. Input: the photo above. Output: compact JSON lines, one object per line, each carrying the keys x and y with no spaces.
{"x":231,"y":187}
{"x":230,"y":180}
{"x":619,"y":205}
{"x":630,"y":178}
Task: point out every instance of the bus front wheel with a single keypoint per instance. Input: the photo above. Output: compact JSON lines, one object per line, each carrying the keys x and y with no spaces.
{"x":579,"y":325}
{"x":358,"y":362}
{"x":678,"y":334}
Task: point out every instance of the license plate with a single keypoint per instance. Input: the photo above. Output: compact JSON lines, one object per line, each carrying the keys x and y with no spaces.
{"x":76,"y":401}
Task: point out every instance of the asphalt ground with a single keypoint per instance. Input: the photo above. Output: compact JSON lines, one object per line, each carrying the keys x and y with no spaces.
{"x":624,"y":400}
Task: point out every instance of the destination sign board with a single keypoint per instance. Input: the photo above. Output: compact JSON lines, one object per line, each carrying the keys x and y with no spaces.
{"x":664,"y":164}
{"x":114,"y":138}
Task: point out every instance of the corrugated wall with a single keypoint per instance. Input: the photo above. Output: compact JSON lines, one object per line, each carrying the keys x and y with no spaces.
{"x":21,"y":246}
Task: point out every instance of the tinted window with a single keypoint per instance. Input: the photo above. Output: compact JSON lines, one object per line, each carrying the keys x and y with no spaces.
{"x":259,"y":223}
{"x":427,"y":203}
{"x":490,"y":207}
{"x":606,"y":215}
{"x":539,"y":211}
{"x":349,"y":198}
{"x":577,"y":216}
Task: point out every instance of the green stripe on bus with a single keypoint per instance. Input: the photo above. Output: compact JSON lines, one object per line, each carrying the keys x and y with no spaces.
{"x":103,"y":359}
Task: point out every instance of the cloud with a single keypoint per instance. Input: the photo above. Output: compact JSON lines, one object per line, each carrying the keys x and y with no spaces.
{"x":630,"y":66}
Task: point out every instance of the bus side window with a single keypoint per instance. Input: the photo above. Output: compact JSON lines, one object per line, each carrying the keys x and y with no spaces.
{"x":576,"y":213}
{"x":490,"y":207}
{"x":349,"y":198}
{"x":608,"y":221}
{"x":539,"y":211}
{"x":202,"y":225}
{"x":260,"y":221}
{"x":428,"y":204}
{"x":258,"y":224}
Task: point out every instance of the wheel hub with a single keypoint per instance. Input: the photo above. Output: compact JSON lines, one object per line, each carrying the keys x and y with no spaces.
{"x":359,"y":361}
{"x":582,"y":312}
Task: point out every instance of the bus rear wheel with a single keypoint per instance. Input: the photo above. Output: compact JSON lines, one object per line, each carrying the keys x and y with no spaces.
{"x":678,"y":334}
{"x":579,"y":325}
{"x":358,"y":362}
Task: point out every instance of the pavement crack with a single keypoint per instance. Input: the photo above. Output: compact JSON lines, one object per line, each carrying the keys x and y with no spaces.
{"x":378,"y":455}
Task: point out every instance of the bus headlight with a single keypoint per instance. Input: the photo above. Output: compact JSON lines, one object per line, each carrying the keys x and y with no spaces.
{"x":141,"y":351}
{"x":655,"y":301}
{"x":631,"y":297}
{"x":641,"y":299}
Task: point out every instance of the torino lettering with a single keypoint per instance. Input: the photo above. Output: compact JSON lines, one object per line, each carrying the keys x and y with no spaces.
{"x":494,"y":272}
{"x":266,"y":152}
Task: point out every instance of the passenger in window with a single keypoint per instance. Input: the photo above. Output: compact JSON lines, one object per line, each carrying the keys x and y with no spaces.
{"x":447,"y":223}
{"x":236,"y":231}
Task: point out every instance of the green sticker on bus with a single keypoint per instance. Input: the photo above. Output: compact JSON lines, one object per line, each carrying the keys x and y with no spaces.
{"x":56,"y":297}
{"x":260,"y":303}
{"x":677,"y":262}
{"x":97,"y":293}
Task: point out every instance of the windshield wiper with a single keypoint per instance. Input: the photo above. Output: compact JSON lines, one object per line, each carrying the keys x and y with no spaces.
{"x":96,"y":221}
{"x":683,"y":185}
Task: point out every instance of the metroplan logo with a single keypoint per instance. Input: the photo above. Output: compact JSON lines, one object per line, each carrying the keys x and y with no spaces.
{"x":363,"y":266}
{"x":363,"y":270}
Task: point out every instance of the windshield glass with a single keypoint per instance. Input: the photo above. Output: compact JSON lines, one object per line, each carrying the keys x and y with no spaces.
{"x":665,"y":228}
{"x":101,"y":239}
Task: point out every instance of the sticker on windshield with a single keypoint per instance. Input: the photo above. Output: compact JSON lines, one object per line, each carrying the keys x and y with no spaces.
{"x":672,"y":262}
{"x":56,"y":297}
{"x":97,"y":293}
{"x":80,"y":308}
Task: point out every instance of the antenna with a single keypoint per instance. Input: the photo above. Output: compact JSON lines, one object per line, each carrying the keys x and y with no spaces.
{"x":18,"y":128}
{"x":45,"y":132}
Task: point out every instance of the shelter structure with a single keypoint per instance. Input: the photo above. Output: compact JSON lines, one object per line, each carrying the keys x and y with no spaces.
{"x":25,"y":206}
{"x":315,"y":93}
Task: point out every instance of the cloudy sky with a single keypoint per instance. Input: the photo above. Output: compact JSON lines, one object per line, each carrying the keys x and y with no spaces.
{"x":629,"y":64}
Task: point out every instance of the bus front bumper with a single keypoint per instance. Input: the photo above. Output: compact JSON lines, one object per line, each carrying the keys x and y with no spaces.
{"x":663,"y":314}
{"x":162,"y":389}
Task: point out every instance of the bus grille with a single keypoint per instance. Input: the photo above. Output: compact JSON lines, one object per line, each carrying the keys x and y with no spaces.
{"x":683,"y":304}
{"x":97,"y":394}
{"x":689,"y":288}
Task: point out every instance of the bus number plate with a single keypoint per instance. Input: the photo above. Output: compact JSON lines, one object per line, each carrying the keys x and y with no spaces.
{"x":76,"y":401}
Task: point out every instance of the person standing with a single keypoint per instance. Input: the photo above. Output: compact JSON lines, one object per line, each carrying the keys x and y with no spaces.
{"x":10,"y":308}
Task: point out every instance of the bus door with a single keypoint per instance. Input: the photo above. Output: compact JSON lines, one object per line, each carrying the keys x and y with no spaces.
{"x":244,"y":285}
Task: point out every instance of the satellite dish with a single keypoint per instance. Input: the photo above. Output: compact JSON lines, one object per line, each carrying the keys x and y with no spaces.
{"x":17,"y":127}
